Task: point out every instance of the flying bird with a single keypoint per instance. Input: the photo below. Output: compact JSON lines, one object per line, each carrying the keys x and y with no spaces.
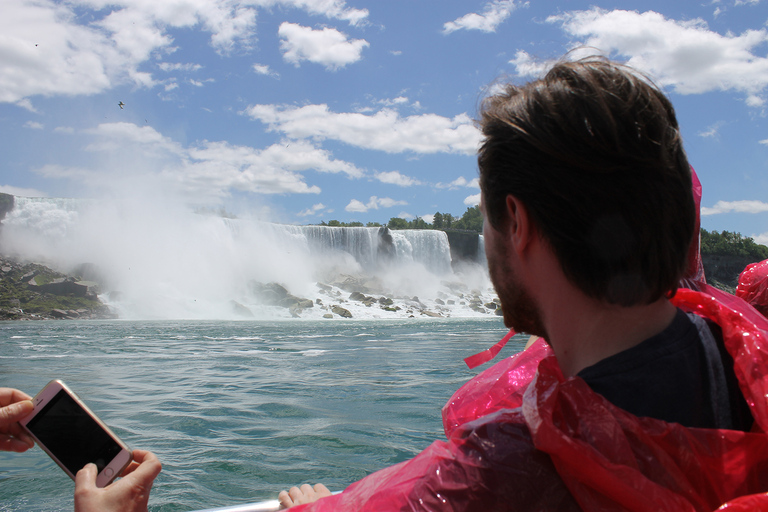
{"x":121,"y":105}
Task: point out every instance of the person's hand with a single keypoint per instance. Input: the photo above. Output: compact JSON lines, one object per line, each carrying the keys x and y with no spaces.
{"x":128,"y":494}
{"x":305,"y":494}
{"x":14,"y":405}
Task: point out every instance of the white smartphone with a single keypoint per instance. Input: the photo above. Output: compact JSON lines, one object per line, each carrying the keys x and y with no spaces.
{"x":73,"y":436}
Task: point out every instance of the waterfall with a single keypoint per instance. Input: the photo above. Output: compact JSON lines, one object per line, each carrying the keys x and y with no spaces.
{"x":159,"y":260}
{"x":427,"y":247}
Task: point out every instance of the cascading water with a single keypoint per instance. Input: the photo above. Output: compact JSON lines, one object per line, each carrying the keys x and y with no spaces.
{"x":160,"y":260}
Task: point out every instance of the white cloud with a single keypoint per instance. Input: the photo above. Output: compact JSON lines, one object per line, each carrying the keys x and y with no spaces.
{"x":356,"y":206}
{"x":711,"y":132}
{"x":472,"y":200}
{"x":264,"y":69}
{"x":525,"y":65}
{"x":460,"y":182}
{"x":684,"y":55}
{"x":429,"y":218}
{"x":313,"y":210}
{"x":493,"y":15}
{"x":761,"y":238}
{"x":385,"y":130}
{"x":34,"y":125}
{"x":744,"y":206}
{"x":334,"y":9}
{"x":391,"y":102}
{"x":169,"y":67}
{"x":395,"y":178}
{"x":374,"y":203}
{"x":203,"y":171}
{"x":46,"y":52}
{"x":327,"y":46}
{"x":83,"y":47}
{"x":764,"y":142}
{"x":124,"y":137}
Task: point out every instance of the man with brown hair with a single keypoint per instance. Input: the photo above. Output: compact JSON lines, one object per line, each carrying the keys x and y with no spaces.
{"x":590,"y":215}
{"x":639,"y":395}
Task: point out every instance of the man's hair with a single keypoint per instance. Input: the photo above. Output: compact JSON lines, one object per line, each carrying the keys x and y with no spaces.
{"x":594,"y":153}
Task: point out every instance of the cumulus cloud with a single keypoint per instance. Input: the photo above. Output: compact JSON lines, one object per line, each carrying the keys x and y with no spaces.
{"x":492,"y":16}
{"x":683,"y":55}
{"x":326,"y":46}
{"x":315,"y":209}
{"x":333,"y":9}
{"x":395,"y":178}
{"x":712,"y":132}
{"x":744,"y":206}
{"x":761,"y":238}
{"x":33,"y":125}
{"x":526,"y":65}
{"x":263,"y":69}
{"x":177,"y":66}
{"x":83,"y":47}
{"x":385,"y":130}
{"x":203,"y":171}
{"x":460,"y":182}
{"x":472,"y":200}
{"x":374,"y":203}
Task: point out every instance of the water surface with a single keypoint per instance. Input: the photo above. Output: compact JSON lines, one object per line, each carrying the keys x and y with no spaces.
{"x":237,"y":411}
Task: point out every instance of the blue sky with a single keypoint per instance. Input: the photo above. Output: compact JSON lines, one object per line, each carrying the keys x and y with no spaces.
{"x":299,"y":111}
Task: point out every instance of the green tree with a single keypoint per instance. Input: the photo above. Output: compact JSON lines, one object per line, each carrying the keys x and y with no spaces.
{"x":419,"y":223}
{"x":727,"y":243}
{"x":472,"y":220}
{"x":397,"y":223}
{"x":437,"y":221}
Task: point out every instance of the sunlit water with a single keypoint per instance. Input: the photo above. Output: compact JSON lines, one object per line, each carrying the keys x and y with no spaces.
{"x":237,"y":411}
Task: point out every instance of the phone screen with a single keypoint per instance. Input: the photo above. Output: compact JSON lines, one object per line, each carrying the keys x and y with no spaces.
{"x":72,"y":435}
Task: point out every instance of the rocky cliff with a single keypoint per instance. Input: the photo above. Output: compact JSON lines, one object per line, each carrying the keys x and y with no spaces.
{"x":30,"y":291}
{"x":723,"y":271}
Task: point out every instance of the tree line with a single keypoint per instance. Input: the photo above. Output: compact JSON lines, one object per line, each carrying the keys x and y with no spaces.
{"x":727,"y":243}
{"x":471,"y":220}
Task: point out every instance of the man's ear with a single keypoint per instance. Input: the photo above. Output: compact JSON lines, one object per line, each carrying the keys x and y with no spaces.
{"x":520,"y":230}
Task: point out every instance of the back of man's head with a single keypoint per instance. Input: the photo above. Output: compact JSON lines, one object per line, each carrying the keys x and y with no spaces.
{"x":594,"y":152}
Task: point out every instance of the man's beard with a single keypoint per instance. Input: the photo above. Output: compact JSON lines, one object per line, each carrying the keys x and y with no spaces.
{"x":521,"y":312}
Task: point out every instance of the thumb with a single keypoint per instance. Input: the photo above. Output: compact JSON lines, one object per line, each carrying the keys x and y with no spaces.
{"x":86,"y":477}
{"x":14,"y":412}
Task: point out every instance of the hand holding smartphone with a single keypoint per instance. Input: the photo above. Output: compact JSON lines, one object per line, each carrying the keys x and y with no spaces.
{"x":68,"y":431}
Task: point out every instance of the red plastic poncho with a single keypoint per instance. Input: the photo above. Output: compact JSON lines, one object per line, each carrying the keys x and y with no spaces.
{"x":521,"y":437}
{"x":753,"y":286}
